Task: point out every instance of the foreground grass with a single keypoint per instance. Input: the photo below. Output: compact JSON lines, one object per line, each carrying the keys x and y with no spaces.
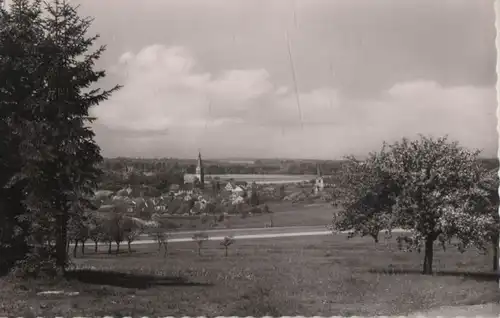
{"x":322,"y":275}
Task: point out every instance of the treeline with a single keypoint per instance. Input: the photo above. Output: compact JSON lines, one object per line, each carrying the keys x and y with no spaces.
{"x":292,"y":167}
{"x":161,"y":181}
{"x":214,"y":167}
{"x":489,"y":163}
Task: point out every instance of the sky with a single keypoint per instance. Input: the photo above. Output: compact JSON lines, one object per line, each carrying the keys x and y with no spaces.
{"x":293,"y":79}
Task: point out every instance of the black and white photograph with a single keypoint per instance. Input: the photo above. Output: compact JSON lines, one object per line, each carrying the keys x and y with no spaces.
{"x":249,"y":158}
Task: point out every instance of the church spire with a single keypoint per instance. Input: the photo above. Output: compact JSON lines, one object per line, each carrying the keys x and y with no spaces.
{"x":200,"y":174}
{"x":318,"y":170}
{"x":200,"y":162}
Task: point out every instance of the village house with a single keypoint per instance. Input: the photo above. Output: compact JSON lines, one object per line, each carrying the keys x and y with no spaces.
{"x":160,"y":204}
{"x":174,"y":188}
{"x":229,"y":186}
{"x":124,"y":192}
{"x":236,"y":187}
{"x":143,"y":206}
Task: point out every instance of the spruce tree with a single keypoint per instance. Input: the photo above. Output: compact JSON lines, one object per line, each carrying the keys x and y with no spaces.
{"x":50,"y":95}
{"x":20,"y":32}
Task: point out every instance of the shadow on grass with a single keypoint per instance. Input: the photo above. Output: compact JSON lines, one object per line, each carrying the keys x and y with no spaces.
{"x":126,"y":280}
{"x":102,"y":254}
{"x":479,"y":276}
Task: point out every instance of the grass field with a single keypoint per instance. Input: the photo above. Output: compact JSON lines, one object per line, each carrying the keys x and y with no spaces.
{"x":323,"y":275}
{"x":285,"y":214}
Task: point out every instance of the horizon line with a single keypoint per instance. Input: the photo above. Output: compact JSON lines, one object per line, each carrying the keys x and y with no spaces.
{"x":249,"y":159}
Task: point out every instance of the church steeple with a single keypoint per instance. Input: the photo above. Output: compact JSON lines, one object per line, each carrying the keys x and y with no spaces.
{"x":318,"y":170}
{"x":200,"y":174}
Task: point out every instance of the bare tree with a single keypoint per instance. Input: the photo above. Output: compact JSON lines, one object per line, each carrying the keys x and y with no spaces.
{"x":200,"y":238}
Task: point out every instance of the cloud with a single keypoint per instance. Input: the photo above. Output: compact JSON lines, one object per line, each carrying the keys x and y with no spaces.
{"x":163,"y":90}
{"x":465,"y":113}
{"x":170,"y":106}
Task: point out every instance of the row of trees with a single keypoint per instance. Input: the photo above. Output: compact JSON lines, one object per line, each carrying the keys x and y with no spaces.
{"x":161,"y":181}
{"x":211,"y":167}
{"x":118,"y":228}
{"x":434,"y":188}
{"x":49,"y":162}
{"x":112,"y":228}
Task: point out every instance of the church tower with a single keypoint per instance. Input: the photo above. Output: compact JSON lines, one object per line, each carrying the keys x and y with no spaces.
{"x":200,"y":174}
{"x":320,"y":183}
{"x":318,"y":171}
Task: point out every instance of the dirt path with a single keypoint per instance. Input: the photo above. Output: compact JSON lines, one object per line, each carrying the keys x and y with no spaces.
{"x":243,"y":236}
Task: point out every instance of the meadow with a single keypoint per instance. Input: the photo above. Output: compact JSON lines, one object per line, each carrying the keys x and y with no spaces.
{"x":284,"y":214}
{"x":322,"y":275}
{"x":288,"y":214}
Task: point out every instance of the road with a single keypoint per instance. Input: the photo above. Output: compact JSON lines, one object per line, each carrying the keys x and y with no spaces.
{"x":251,"y":233}
{"x":244,"y":231}
{"x":244,"y":234}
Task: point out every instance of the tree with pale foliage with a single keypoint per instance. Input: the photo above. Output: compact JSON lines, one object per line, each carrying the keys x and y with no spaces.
{"x":161,"y":230}
{"x":490,"y":183}
{"x":429,"y":187}
{"x":364,"y":198}
{"x":113,"y":230}
{"x":132,"y":228}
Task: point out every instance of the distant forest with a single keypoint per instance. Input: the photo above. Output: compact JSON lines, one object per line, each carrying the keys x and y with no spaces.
{"x":266,"y":166}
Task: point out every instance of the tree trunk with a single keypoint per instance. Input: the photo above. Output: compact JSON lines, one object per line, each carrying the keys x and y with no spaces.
{"x":61,"y":241}
{"x":429,"y":256}
{"x":165,"y":249}
{"x":95,"y":246}
{"x":75,"y":248}
{"x":495,"y":252}
{"x":117,"y":247}
{"x":109,"y":248}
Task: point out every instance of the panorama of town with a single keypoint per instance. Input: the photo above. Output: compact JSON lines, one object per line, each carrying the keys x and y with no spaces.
{"x":241,"y":158}
{"x":204,"y":195}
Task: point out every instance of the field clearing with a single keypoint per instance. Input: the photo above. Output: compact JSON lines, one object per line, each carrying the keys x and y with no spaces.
{"x":284,"y":214}
{"x":322,"y":275}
